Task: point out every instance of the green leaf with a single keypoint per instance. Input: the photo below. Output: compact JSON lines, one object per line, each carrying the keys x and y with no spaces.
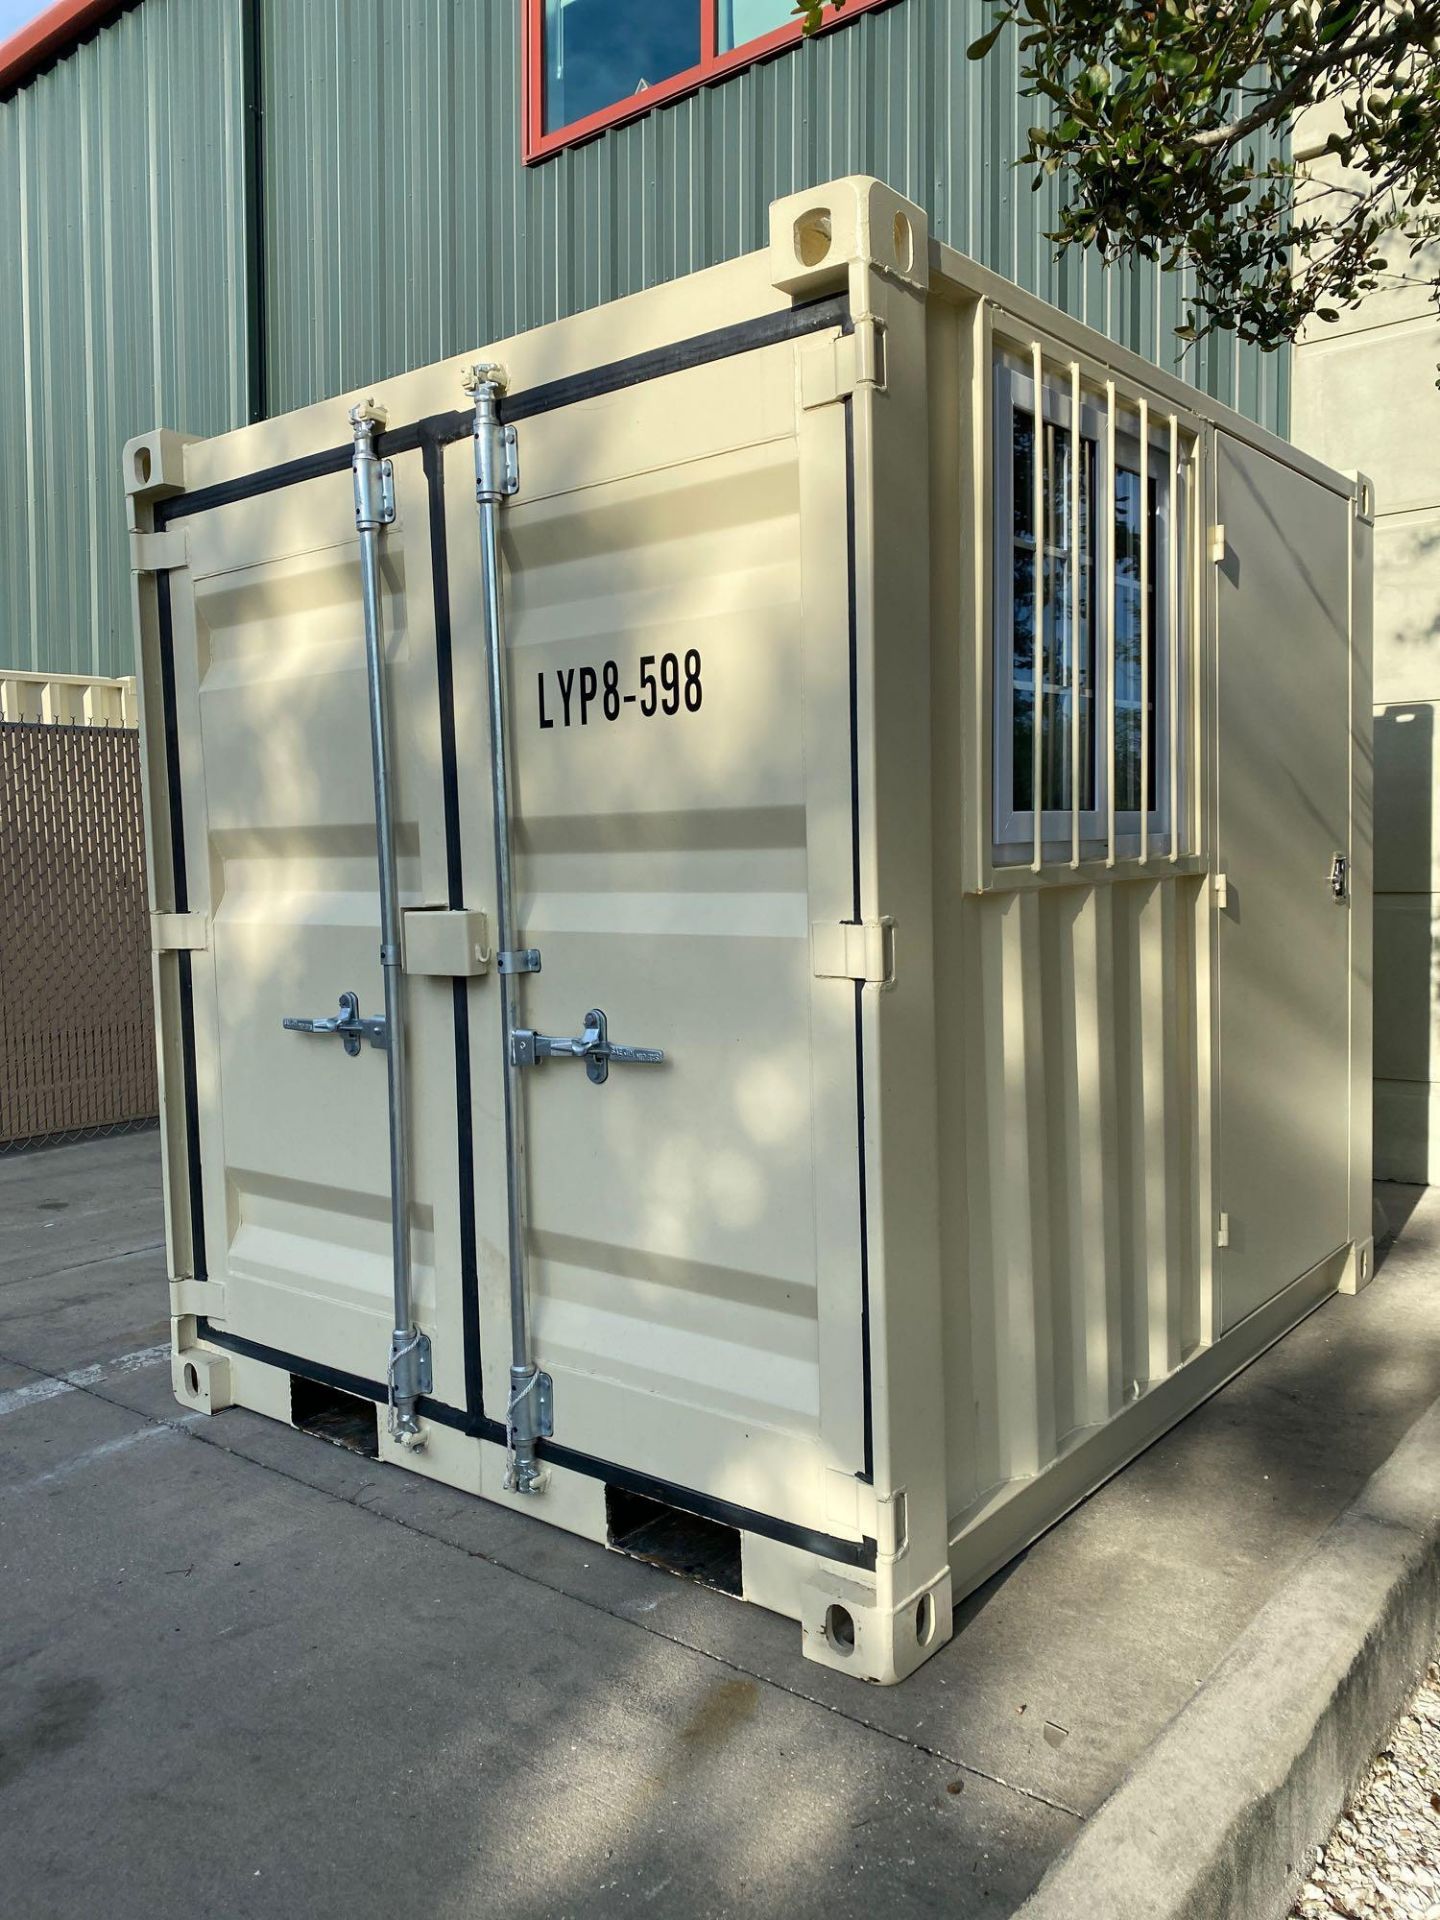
{"x":978,"y":49}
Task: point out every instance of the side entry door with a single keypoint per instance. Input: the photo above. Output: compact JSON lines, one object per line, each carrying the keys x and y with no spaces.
{"x":1284,"y":930}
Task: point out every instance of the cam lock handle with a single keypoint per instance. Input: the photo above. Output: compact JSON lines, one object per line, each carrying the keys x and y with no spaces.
{"x":351,"y":1028}
{"x":594,"y":1046}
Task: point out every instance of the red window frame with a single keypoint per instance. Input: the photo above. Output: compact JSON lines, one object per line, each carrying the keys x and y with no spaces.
{"x":538,"y":144}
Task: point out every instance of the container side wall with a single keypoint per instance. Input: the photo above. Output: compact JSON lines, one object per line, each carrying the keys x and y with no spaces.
{"x":1078,"y":1167}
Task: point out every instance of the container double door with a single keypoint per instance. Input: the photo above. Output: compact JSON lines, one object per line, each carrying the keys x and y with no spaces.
{"x":679,"y":680}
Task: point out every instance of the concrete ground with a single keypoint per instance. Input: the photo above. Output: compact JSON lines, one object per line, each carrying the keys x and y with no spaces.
{"x":243,"y":1672}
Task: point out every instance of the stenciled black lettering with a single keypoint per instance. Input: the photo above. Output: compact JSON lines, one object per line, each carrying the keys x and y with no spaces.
{"x":670,"y":683}
{"x":676,"y":685}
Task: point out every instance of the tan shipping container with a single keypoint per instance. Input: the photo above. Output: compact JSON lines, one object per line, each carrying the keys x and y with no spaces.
{"x":789,"y":1116}
{"x":66,"y":699}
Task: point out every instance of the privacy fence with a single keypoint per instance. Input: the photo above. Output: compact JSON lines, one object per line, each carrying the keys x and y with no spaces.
{"x":77,"y":1049}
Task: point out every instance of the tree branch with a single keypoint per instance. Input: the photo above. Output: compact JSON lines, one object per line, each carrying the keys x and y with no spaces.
{"x":1300,"y":82}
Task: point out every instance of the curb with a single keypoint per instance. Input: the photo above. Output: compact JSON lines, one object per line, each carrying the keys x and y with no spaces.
{"x":1219,"y":1816}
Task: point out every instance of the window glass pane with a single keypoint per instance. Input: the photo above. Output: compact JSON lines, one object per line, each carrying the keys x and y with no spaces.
{"x":1065,"y":638}
{"x":1023,"y":671}
{"x":1127,"y":638}
{"x":742,"y":20}
{"x":598,"y":52}
{"x":1023,"y":488}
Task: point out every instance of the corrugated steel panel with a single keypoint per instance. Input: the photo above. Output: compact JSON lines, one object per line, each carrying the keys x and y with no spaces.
{"x":401,"y":225}
{"x":1083,"y":1167}
{"x":120,"y":213}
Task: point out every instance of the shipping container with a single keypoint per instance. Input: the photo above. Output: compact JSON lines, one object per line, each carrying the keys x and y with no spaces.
{"x":761,"y":915}
{"x":61,"y":699}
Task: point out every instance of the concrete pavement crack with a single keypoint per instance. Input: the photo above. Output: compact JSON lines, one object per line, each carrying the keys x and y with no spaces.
{"x":54,"y":1273}
{"x":358,"y":1505}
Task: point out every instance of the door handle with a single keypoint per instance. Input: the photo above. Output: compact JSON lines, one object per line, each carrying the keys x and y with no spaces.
{"x":347,"y":1023}
{"x":594,"y":1046}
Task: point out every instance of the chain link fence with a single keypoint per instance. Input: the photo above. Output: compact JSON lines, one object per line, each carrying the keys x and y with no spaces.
{"x":77,"y":1046}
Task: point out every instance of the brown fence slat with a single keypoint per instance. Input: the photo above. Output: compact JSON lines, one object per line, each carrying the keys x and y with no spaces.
{"x":77,"y":1045}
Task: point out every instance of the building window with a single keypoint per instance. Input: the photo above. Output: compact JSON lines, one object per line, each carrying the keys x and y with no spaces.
{"x":1090,"y":624}
{"x":592,"y":63}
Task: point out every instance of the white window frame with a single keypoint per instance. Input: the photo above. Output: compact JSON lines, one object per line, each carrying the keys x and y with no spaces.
{"x":1014,"y":828}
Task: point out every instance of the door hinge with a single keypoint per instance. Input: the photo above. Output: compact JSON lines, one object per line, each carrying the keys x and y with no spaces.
{"x":205,"y":1297}
{"x":1222,"y":1230}
{"x":179,"y":932}
{"x":854,"y":950}
{"x":1217,"y":543}
{"x":158,"y":552}
{"x":832,"y":369}
{"x":1221,"y":883}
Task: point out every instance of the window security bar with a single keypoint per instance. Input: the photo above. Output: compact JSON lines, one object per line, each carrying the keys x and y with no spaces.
{"x":1096,"y":617}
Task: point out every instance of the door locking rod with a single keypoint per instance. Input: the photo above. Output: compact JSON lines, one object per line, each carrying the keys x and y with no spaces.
{"x":409,"y":1369}
{"x":528,"y":1412}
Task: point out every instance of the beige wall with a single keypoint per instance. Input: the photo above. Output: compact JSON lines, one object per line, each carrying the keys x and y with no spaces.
{"x":1365,"y":396}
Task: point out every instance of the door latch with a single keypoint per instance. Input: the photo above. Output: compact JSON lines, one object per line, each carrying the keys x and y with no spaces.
{"x":1340,"y":877}
{"x":347,"y":1023}
{"x":594,"y":1046}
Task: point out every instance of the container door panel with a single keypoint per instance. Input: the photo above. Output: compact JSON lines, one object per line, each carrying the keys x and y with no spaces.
{"x":1284,"y":781}
{"x":270,"y":691}
{"x":677,"y":618}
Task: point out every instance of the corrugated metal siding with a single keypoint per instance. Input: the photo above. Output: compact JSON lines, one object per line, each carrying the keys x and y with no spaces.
{"x":401,"y":225}
{"x":1079,"y":1168}
{"x":121,"y":305}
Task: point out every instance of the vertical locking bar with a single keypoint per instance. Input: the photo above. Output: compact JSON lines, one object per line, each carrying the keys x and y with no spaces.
{"x":375,"y":508}
{"x":495,"y":480}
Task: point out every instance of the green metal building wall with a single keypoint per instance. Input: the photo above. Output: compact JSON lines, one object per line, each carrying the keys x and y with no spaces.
{"x":121,"y":303}
{"x":222,"y":208}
